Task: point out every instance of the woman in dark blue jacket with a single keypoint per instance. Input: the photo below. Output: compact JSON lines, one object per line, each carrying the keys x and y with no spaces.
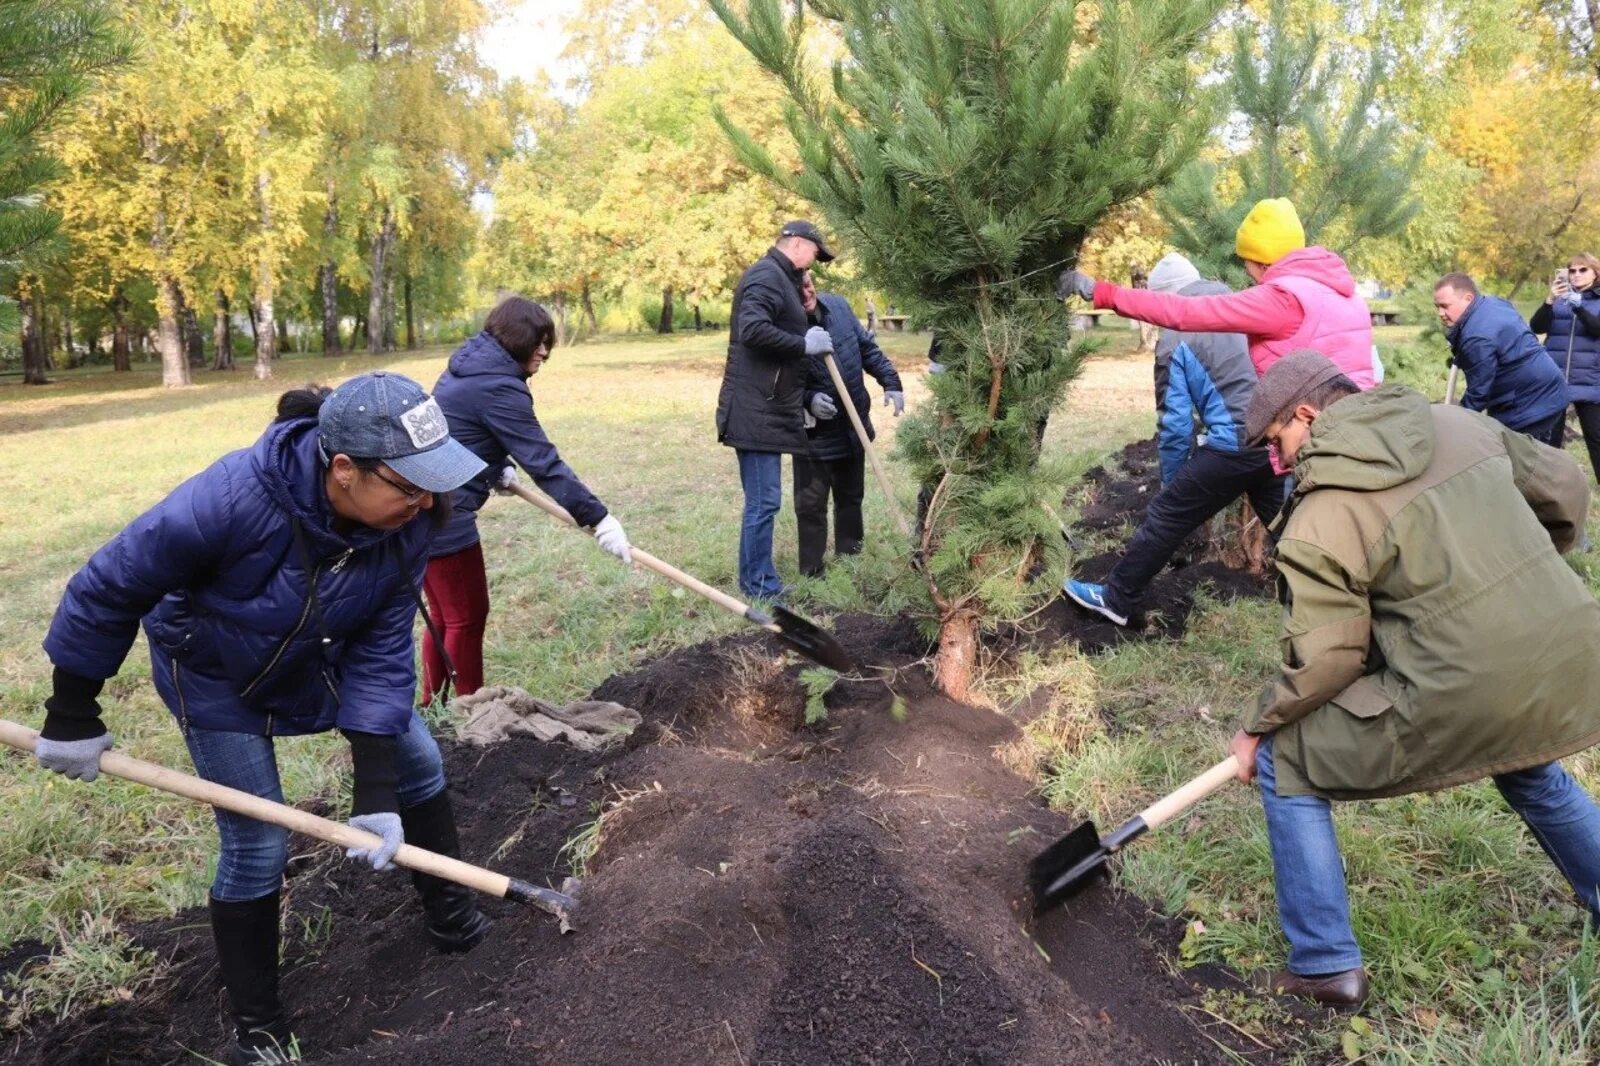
{"x":484,"y":394}
{"x":277,"y":589}
{"x":1570,"y":320}
{"x":835,"y":462}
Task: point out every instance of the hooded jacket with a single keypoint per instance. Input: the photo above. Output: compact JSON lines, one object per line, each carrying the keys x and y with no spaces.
{"x":1307,"y":299}
{"x":1510,"y":376}
{"x":484,"y":396}
{"x":1420,"y":572}
{"x":763,"y":383}
{"x":236,"y":643}
{"x":855,"y":352}
{"x":1202,"y":379}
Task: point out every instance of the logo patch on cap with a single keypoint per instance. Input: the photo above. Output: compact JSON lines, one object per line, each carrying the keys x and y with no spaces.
{"x":425,"y":424}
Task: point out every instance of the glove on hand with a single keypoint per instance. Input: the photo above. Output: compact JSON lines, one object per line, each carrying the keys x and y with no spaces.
{"x":823,"y":407}
{"x":1573,"y":297}
{"x":935,"y":368}
{"x":387,"y":825}
{"x":78,"y":759}
{"x":612,"y":539}
{"x":896,"y":399}
{"x":818,"y":341}
{"x":1074,"y":283}
{"x":507,"y":478}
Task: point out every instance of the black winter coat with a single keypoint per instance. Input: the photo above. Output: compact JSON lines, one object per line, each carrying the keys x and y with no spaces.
{"x":763,"y":384}
{"x":855,"y":351}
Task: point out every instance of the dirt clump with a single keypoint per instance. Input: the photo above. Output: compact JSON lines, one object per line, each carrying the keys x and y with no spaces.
{"x":852,"y":892}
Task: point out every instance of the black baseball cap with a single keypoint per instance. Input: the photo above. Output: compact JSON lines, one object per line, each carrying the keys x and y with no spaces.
{"x":802,"y":228}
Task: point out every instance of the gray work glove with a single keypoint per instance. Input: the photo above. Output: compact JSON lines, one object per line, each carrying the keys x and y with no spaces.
{"x":608,"y":533}
{"x":935,"y":367}
{"x":823,"y":407}
{"x":818,"y":341}
{"x":1573,"y":297}
{"x":387,"y":825}
{"x":507,"y":478}
{"x":78,"y":759}
{"x":896,"y":399}
{"x":1074,"y":283}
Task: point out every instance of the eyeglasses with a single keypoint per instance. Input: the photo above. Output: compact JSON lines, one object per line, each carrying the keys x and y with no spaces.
{"x":411,"y":495}
{"x":1580,"y":270}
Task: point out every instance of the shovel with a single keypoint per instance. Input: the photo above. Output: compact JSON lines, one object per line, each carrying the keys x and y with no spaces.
{"x":1450,"y":386}
{"x":114,"y":763}
{"x":1066,"y":867}
{"x":805,"y":637}
{"x":866,"y":443}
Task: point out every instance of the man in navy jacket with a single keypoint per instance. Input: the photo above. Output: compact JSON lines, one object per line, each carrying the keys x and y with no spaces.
{"x":836,"y":462}
{"x":1510,"y":376}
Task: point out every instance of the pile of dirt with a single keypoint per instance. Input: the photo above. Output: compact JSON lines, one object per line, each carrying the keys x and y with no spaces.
{"x":763,"y":892}
{"x":1112,"y":505}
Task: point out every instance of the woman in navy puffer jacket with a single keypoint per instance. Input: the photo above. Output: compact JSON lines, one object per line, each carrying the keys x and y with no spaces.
{"x":484,"y":393}
{"x":278,"y":589}
{"x":1570,"y":320}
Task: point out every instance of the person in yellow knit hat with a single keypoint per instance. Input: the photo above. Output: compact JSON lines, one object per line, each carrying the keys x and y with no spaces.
{"x":1303,"y":298}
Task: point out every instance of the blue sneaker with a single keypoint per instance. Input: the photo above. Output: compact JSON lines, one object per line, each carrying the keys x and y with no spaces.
{"x":1092,"y":597}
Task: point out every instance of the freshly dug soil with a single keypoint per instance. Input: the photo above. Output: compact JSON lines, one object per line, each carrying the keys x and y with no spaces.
{"x":850,"y":892}
{"x":1116,"y":496}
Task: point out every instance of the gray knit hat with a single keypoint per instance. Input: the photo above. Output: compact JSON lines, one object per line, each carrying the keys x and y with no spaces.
{"x":1172,"y":272}
{"x":1285,"y":384}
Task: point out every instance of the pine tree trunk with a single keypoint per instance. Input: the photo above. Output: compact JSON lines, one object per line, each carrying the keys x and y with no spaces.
{"x":328,"y":282}
{"x":665,"y":325}
{"x":33,"y":364}
{"x":411,"y":331}
{"x":121,"y":357}
{"x":958,"y":653}
{"x":222,"y":335}
{"x":169,"y":341}
{"x":379,"y":281}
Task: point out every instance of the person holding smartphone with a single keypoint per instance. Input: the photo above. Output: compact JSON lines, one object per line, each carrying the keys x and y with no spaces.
{"x":1570,"y":320}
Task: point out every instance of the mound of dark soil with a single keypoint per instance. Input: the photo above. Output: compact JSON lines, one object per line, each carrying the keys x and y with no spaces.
{"x":763,"y":892}
{"x":1114,"y":501}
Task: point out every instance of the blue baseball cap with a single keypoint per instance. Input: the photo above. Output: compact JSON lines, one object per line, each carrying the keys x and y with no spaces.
{"x":387,"y":416}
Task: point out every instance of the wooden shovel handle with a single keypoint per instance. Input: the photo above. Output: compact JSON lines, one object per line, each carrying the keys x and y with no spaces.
{"x":866,"y":443}
{"x":231,"y":799}
{"x":644,"y":558}
{"x":1175,"y":803}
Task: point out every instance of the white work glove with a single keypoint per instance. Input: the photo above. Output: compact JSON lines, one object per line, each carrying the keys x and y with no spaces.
{"x":612,"y":539}
{"x":935,"y":367}
{"x":823,"y":407}
{"x":387,"y":825}
{"x":77,"y":759}
{"x":896,"y":399}
{"x":507,"y":478}
{"x":818,"y":341}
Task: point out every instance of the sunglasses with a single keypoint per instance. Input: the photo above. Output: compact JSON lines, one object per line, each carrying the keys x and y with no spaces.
{"x":1580,"y":270}
{"x":412,"y":495}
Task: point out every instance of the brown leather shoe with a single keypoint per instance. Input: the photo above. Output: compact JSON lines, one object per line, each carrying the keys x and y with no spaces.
{"x":1342,"y":991}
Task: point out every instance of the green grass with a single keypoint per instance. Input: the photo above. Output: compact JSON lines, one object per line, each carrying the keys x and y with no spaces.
{"x":1475,"y":948}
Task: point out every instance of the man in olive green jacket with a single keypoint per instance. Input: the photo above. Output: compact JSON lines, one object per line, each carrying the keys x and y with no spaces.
{"x":1432,"y":635}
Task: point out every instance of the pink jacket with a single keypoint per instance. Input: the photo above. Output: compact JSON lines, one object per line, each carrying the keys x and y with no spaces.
{"x":1306,"y":300}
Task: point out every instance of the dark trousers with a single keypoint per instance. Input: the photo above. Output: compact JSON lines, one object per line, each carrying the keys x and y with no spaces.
{"x":814,"y":481}
{"x":1589,"y":419}
{"x":1207,"y":483}
{"x":1552,"y":431}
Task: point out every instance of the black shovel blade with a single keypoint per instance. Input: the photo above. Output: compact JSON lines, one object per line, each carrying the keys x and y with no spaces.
{"x":812,"y":641}
{"x":1066,"y":867}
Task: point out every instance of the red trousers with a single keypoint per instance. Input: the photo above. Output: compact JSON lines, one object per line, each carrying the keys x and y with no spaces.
{"x":457,"y":590}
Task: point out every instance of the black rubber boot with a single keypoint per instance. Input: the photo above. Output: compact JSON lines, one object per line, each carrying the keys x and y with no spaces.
{"x":452,"y":917}
{"x":247,"y":952}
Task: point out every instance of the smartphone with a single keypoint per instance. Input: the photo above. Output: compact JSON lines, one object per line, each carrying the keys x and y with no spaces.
{"x":1560,"y":282}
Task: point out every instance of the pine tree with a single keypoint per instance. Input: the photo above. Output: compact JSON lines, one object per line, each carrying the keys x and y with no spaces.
{"x":962,"y":153}
{"x":50,"y":54}
{"x":1313,"y":132}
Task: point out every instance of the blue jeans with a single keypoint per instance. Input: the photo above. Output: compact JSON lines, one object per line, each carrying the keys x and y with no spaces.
{"x":254,"y":853}
{"x":1312,"y":904}
{"x":761,"y":474}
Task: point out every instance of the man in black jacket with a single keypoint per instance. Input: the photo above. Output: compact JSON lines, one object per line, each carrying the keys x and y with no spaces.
{"x":763,"y":387}
{"x":836,"y":463}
